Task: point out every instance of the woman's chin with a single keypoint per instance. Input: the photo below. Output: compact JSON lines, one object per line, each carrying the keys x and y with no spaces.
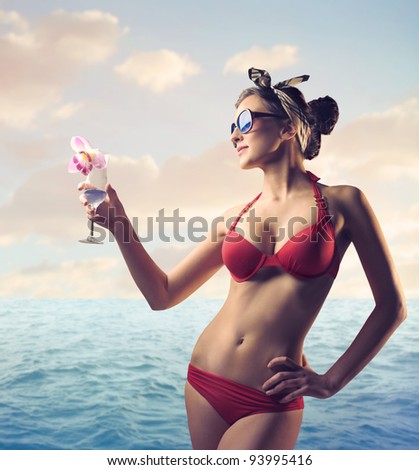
{"x":245,"y":164}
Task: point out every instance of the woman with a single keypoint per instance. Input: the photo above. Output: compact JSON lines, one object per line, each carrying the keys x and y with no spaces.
{"x":248,"y":374}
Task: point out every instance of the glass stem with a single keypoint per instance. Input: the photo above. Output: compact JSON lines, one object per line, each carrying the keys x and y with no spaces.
{"x":92,"y":226}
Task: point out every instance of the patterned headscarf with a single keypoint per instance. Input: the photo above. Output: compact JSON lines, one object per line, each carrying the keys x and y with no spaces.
{"x":262,"y":79}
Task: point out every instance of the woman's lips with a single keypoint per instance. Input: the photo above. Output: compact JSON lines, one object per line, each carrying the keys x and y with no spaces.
{"x":241,"y":148}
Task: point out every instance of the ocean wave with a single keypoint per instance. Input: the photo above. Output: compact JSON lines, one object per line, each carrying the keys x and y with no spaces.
{"x":105,"y":375}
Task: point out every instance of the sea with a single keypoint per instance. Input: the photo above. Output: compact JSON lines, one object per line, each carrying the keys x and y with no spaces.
{"x":110,"y":374}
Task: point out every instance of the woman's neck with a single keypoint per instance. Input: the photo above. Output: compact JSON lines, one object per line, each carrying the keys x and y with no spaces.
{"x":284,"y":175}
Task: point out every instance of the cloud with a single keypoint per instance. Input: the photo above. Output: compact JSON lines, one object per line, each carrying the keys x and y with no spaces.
{"x":278,"y":57}
{"x":379,"y":153}
{"x":86,"y":37}
{"x":46,"y":210}
{"x":14,"y":19}
{"x":79,"y":278}
{"x":376,"y":151}
{"x":42,"y":60}
{"x":68,"y":110}
{"x":46,"y":206}
{"x":210,"y":183}
{"x":157,"y":70}
{"x":68,"y":279}
{"x":46,"y":203}
{"x":25,"y":153}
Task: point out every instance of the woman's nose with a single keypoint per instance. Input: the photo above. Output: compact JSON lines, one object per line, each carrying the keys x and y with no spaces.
{"x":235,"y":136}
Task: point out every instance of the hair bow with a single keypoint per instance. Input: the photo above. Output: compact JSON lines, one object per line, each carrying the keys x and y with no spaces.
{"x":262,"y":79}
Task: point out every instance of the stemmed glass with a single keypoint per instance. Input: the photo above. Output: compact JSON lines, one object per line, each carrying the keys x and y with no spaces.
{"x":95,"y":196}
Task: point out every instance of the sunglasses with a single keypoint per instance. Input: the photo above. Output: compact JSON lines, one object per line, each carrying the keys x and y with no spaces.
{"x":245,"y":120}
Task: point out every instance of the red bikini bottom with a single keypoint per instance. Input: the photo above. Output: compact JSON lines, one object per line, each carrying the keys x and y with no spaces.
{"x":232,"y":400}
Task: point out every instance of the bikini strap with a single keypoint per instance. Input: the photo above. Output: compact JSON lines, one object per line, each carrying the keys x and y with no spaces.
{"x":323,"y":215}
{"x":321,"y":202}
{"x":243,"y":211}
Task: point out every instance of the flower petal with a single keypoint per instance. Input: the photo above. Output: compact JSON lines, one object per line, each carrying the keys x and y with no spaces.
{"x":72,"y":167}
{"x":83,"y":162}
{"x":79,"y":144}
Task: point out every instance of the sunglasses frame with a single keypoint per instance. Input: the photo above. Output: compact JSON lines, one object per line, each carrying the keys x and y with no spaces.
{"x":253,"y":115}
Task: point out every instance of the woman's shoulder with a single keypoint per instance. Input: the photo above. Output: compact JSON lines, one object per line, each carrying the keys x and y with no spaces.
{"x":344,"y":195}
{"x":351,"y":203}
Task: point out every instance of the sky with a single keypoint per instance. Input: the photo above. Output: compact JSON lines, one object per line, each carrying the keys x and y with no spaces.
{"x":153,"y":85}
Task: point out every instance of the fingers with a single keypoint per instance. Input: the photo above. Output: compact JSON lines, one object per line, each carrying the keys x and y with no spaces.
{"x":299,"y":392}
{"x":289,"y":376}
{"x":290,"y":381}
{"x":113,"y":197}
{"x":90,"y":211}
{"x":82,"y":187}
{"x":283,"y":361}
{"x":286,"y":386}
{"x":277,"y":382}
{"x":84,"y":202}
{"x":107,"y":212}
{"x":287,"y":390}
{"x":85,"y":185}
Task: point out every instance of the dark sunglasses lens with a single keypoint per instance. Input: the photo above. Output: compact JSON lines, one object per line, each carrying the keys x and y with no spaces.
{"x":244,"y":121}
{"x":233,"y":126}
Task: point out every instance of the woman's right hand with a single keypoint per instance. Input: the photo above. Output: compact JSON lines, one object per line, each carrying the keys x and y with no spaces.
{"x":109,"y":212}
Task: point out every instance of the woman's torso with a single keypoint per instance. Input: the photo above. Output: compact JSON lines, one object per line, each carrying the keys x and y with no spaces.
{"x":267,"y":315}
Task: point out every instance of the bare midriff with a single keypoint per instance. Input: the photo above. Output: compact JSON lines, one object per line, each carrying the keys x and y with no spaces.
{"x":265,"y":317}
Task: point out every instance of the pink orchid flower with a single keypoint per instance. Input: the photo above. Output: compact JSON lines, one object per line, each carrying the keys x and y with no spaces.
{"x":86,"y":157}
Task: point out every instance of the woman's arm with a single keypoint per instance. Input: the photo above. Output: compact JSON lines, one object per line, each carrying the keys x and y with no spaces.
{"x":161,"y":290}
{"x":390,"y":307}
{"x":363,"y":229}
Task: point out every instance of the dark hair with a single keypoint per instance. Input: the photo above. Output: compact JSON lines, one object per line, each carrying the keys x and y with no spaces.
{"x":322,"y":113}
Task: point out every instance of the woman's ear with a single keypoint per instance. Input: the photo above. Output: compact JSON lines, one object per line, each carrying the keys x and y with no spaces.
{"x":288,"y":130}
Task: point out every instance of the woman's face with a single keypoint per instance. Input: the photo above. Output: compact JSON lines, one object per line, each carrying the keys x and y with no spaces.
{"x":261,"y":144}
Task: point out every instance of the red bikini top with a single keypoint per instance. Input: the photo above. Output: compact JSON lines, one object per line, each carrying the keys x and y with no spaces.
{"x":308,"y":254}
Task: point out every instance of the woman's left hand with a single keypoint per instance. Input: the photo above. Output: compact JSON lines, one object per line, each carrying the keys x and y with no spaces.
{"x":301,"y":380}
